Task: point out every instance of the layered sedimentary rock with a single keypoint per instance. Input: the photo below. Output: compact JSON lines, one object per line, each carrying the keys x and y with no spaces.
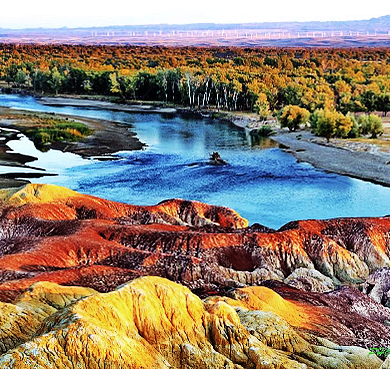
{"x":319,"y":286}
{"x":55,"y":234}
{"x":155,"y":323}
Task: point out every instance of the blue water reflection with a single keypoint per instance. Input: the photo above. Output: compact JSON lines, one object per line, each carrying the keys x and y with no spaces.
{"x":262,"y":183}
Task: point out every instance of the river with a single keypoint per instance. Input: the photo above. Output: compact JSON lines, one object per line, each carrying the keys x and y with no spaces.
{"x":261,"y":182}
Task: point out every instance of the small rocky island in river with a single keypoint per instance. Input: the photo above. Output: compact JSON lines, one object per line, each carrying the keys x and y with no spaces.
{"x":215,"y":159}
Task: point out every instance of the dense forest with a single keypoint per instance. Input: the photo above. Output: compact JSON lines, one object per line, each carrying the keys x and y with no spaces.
{"x":265,"y":80}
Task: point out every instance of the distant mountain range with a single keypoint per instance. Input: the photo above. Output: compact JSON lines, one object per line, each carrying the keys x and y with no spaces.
{"x":372,"y":32}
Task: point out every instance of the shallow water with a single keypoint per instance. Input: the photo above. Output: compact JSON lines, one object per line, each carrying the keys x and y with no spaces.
{"x":261,"y":182}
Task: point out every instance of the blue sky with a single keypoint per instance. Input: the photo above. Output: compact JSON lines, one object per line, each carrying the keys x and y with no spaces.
{"x":76,"y":13}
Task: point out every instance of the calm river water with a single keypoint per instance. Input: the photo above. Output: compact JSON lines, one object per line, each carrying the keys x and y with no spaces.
{"x":261,"y":182}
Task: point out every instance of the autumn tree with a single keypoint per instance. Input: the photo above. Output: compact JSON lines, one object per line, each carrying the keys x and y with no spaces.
{"x":344,"y":124}
{"x":292,"y":116}
{"x":262,"y":106}
{"x":114,"y":86}
{"x":324,"y":123}
{"x":258,"y":79}
{"x":55,"y":80}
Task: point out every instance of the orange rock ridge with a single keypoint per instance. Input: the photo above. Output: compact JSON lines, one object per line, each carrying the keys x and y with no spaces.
{"x":49,"y":234}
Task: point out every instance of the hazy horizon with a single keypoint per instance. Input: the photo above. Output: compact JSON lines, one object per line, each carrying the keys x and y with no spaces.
{"x":76,"y":14}
{"x":184,"y":24}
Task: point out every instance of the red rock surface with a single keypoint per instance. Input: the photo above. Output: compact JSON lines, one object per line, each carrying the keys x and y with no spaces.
{"x":52,"y":233}
{"x":48,"y":233}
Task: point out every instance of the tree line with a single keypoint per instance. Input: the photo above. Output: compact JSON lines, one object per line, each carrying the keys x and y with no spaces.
{"x":264,"y":80}
{"x":331,"y":123}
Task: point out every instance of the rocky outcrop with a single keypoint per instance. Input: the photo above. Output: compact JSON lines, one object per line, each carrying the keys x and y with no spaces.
{"x":155,"y":323}
{"x":20,"y":320}
{"x":51,"y":202}
{"x":377,"y":286}
{"x":49,"y":233}
{"x":347,"y":316}
{"x":310,"y":280}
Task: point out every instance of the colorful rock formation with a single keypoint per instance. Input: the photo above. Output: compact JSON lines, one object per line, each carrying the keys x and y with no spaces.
{"x":155,"y":323}
{"x":307,"y":295}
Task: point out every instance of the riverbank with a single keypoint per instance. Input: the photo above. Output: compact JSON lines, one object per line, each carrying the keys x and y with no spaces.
{"x":357,"y":160}
{"x":364,"y":161}
{"x":107,"y":138}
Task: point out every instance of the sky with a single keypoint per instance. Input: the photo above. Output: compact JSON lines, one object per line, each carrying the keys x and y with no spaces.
{"x":89,"y":13}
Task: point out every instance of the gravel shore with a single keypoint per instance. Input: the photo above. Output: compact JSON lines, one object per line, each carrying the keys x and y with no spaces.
{"x":361,"y":161}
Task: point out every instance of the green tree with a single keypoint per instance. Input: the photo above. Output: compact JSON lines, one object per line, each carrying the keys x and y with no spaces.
{"x":146,"y":85}
{"x":128,"y":86}
{"x":369,"y":100}
{"x":292,"y":116}
{"x":328,"y":123}
{"x":290,"y":95}
{"x":370,"y":124}
{"x":41,"y":81}
{"x":383,"y":103}
{"x":174,"y":77}
{"x":162,"y":82}
{"x":75,"y":81}
{"x":55,"y":81}
{"x":11,"y":73}
{"x":20,"y":78}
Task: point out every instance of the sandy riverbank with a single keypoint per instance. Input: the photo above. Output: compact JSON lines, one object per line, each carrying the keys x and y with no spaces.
{"x":358,"y":160}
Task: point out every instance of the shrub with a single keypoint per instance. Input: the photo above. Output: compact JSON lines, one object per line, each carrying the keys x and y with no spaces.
{"x":354,"y":132}
{"x":42,"y":137}
{"x":363,"y":125}
{"x":48,"y":130}
{"x":263,"y":131}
